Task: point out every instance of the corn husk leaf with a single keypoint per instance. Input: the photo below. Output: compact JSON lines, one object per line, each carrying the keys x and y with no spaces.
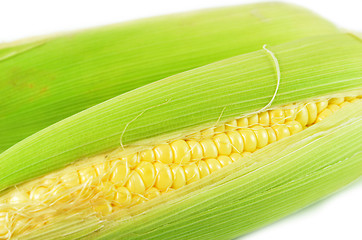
{"x":45,"y":80}
{"x":275,"y":181}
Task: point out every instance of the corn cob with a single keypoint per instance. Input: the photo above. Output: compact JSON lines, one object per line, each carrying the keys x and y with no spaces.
{"x":36,"y":91}
{"x":208,"y":162}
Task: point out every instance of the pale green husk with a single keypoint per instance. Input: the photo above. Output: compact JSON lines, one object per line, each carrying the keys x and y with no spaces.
{"x":170,"y":107}
{"x":45,"y":80}
{"x":286,"y":176}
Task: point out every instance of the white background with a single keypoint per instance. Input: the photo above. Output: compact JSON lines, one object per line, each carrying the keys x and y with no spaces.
{"x":337,"y":217}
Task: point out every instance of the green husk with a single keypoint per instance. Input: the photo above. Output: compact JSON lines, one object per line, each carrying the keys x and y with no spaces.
{"x":48,"y":79}
{"x":190,"y":101}
{"x":286,"y":176}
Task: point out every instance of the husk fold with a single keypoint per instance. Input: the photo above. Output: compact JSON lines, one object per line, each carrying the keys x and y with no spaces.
{"x":48,"y":79}
{"x":191,"y":100}
{"x":280,"y":179}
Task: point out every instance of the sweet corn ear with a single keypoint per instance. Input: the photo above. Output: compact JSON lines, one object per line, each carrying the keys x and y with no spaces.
{"x":183,"y":156}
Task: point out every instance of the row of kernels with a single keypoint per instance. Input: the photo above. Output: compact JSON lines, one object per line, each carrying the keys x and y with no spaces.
{"x":182,"y":152}
{"x":305,"y":114}
{"x":164,"y":176}
{"x":333,"y":105}
{"x":149,"y":180}
{"x":250,"y":139}
{"x":201,"y":169}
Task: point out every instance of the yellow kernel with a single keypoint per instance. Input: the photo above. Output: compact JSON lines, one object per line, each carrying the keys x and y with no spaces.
{"x":152,"y":193}
{"x":249,"y":139}
{"x":135,"y":183}
{"x":261,"y":136}
{"x":196,"y":150}
{"x":243,"y":122}
{"x":39,"y":193}
{"x":203,"y":169}
{"x":290,"y":112}
{"x":147,"y":172}
{"x":232,"y":125}
{"x":102,"y":170}
{"x":123,"y":197}
{"x":181,"y":152}
{"x":163,"y":176}
{"x":49,"y":181}
{"x":325,"y":113}
{"x":321,"y":105}
{"x":281,"y":131}
{"x":209,"y":148}
{"x":87,"y":175}
{"x":102,"y":207}
{"x":336,"y":101}
{"x":70,"y":179}
{"x":179,"y":177}
{"x":222,"y":143}
{"x":213,"y":164}
{"x":236,"y":141}
{"x":276,"y":116}
{"x":355,"y":100}
{"x":147,"y":155}
{"x":192,"y":172}
{"x":120,"y":171}
{"x":253,"y":120}
{"x":133,"y":160}
{"x":302,"y":115}
{"x":224,"y":160}
{"x":107,"y":189}
{"x":350,"y":98}
{"x":294,"y":127}
{"x":312,"y":113}
{"x":264,"y":118}
{"x":272,"y":137}
{"x":163,"y":153}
